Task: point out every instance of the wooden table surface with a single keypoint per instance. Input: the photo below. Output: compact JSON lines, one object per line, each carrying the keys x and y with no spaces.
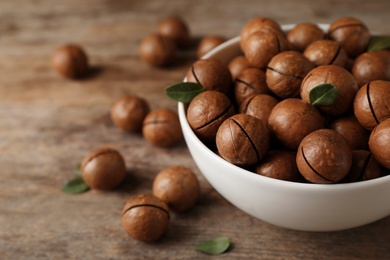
{"x":48,"y":124}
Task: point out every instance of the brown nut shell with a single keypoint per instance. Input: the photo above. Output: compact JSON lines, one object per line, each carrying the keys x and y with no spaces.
{"x":157,"y":50}
{"x":70,"y":60}
{"x":237,"y":65}
{"x":371,"y":66}
{"x":256,"y":24}
{"x":259,"y":106}
{"x":351,"y":33}
{"x":145,"y":217}
{"x":103,"y":169}
{"x":279,"y":164}
{"x":178,"y":187}
{"x":161,"y":127}
{"x":324,"y":157}
{"x":262,"y":45}
{"x":176,"y":29}
{"x":285,"y":73}
{"x":206,"y":112}
{"x":303,"y":34}
{"x":128,"y":113}
{"x":372,"y":103}
{"x":327,"y":52}
{"x":379,"y":143}
{"x":242,"y":140}
{"x":291,"y":120}
{"x":250,"y":82}
{"x":212,"y":74}
{"x":339,"y":77}
{"x":207,"y":44}
{"x":364,"y":167}
{"x":353,"y":132}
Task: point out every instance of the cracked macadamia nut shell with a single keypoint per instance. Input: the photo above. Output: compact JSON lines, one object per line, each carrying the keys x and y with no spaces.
{"x":70,"y":61}
{"x":303,"y":34}
{"x":371,"y":66}
{"x":259,"y":106}
{"x":324,"y":157}
{"x":178,"y":187}
{"x":364,"y":167}
{"x":207,"y":44}
{"x":242,"y":140}
{"x":103,"y":169}
{"x":176,"y":29}
{"x":379,"y":143}
{"x":145,"y":217}
{"x":250,"y":82}
{"x":237,"y":65}
{"x":339,"y":77}
{"x":157,"y":50}
{"x":206,"y":112}
{"x":279,"y":164}
{"x":327,"y":52}
{"x":353,"y":132}
{"x":212,"y":74}
{"x":262,"y":45}
{"x":161,"y":127}
{"x":351,"y":33}
{"x":291,"y":120}
{"x":285,"y":73}
{"x":372,"y":103}
{"x":128,"y":113}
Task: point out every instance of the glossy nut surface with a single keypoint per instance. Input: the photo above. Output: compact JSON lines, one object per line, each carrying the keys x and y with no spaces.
{"x":291,"y":120}
{"x":372,"y":103}
{"x":145,"y":217}
{"x":364,"y":167}
{"x":279,"y":164}
{"x":212,"y":74}
{"x":324,"y":157}
{"x":242,"y":139}
{"x":339,"y":77}
{"x":250,"y":82}
{"x":303,"y":34}
{"x":379,"y":143}
{"x":103,"y":169}
{"x":207,"y":44}
{"x":353,"y":132}
{"x":128,"y":113}
{"x":161,"y":127}
{"x":175,"y":28}
{"x":178,"y":187}
{"x":206,"y":112}
{"x":70,"y":61}
{"x":285,"y":73}
{"x":259,"y":106}
{"x":157,"y":50}
{"x":327,"y":52}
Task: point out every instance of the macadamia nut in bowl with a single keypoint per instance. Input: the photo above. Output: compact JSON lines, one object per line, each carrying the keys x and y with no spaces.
{"x":294,"y":205}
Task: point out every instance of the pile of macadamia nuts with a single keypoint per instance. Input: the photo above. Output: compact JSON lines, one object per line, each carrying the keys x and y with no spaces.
{"x":256,"y":111}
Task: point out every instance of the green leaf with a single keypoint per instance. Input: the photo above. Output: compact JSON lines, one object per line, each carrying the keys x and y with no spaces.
{"x":323,"y":95}
{"x":216,"y":246}
{"x":184,"y":91}
{"x":379,"y":42}
{"x":76,"y":185}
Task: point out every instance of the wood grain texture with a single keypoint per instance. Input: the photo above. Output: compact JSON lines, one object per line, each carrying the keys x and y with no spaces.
{"x":48,"y":124}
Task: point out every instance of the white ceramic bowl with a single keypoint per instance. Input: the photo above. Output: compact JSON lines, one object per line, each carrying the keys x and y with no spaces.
{"x":299,"y":206}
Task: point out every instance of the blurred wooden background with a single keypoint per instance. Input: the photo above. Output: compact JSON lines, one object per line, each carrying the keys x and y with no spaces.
{"x":48,"y":124}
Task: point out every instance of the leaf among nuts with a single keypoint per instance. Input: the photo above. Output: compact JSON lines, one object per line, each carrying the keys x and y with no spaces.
{"x":76,"y":185}
{"x":184,"y":91}
{"x":379,"y":42}
{"x":323,"y":95}
{"x":216,"y":246}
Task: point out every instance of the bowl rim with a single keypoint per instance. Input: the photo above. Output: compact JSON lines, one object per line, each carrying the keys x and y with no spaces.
{"x":256,"y":177}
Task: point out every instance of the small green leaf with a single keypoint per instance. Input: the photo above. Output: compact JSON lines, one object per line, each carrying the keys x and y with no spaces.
{"x":184,"y":91}
{"x":76,"y":185}
{"x":216,"y":246}
{"x":379,"y":42}
{"x":323,"y":95}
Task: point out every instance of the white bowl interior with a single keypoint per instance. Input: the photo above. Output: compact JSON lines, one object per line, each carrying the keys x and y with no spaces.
{"x":299,"y":206}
